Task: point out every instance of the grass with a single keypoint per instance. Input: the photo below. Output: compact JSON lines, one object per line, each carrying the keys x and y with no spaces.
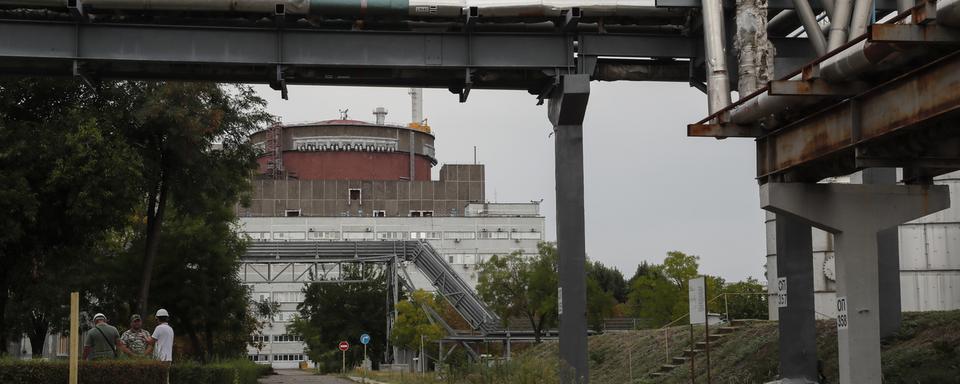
{"x":925,"y":350}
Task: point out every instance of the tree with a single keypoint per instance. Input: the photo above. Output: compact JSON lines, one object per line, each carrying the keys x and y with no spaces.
{"x":600,"y":304}
{"x":655,"y":297}
{"x":519,"y":286}
{"x":609,"y":280}
{"x":332,"y":311}
{"x":413,"y":324}
{"x":747,"y":299}
{"x":174,"y":126}
{"x":76,"y":167}
{"x":66,"y":187}
{"x":680,"y":267}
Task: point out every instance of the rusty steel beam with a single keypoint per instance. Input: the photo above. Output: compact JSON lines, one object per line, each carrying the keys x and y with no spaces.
{"x":913,"y":33}
{"x":812,"y":146}
{"x":814,"y":87}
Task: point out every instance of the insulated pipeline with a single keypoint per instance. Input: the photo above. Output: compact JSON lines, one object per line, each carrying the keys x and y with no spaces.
{"x":412,"y":9}
{"x":855,"y":61}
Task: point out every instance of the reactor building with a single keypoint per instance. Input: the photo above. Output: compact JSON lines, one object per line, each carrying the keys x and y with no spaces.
{"x":355,"y":181}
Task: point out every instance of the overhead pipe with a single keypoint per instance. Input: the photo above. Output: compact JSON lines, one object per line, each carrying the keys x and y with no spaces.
{"x":409,"y":9}
{"x":810,"y":25}
{"x":839,"y":24}
{"x":754,"y":51}
{"x":854,"y":62}
{"x":862,"y":10}
{"x":905,"y":5}
{"x":948,"y":12}
{"x":787,"y":17}
{"x":718,"y":82}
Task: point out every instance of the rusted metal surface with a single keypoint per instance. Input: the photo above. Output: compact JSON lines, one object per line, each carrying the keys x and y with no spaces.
{"x":723,"y":130}
{"x":814,"y":87}
{"x":930,"y":92}
{"x":913,"y":33}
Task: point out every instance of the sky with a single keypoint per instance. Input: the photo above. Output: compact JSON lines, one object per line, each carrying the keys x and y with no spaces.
{"x":649,"y":188}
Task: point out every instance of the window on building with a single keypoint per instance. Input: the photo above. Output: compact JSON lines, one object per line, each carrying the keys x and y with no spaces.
{"x":355,"y":194}
{"x":287,"y":339}
{"x":256,"y":358}
{"x":260,"y":339}
{"x":390,"y":235}
{"x":358,"y":236}
{"x":460,"y":235}
{"x":426,"y":235}
{"x":379,"y":213}
{"x":493,"y":235}
{"x":418,"y":213}
{"x":526,"y":235}
{"x":293,"y":213}
{"x":288,"y":297}
{"x":323,"y":235}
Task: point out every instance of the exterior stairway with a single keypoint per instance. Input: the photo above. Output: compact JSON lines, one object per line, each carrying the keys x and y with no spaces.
{"x":419,"y":253}
{"x":683,"y":359}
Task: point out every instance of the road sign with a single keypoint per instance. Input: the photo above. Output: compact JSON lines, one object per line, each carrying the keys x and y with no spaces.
{"x":364,"y":339}
{"x":698,"y":301}
{"x":344,"y":346}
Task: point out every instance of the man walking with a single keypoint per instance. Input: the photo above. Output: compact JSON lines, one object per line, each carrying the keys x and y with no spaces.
{"x":101,"y":341}
{"x":162,"y":338}
{"x":136,"y":339}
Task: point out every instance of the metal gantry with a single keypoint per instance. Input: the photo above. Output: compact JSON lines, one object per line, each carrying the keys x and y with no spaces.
{"x":885,"y":97}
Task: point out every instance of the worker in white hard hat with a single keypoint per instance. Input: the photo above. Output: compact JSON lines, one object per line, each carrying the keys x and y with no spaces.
{"x":162,"y":338}
{"x":101,"y":341}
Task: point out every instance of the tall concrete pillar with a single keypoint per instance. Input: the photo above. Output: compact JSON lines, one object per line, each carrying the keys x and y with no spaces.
{"x":798,"y":328}
{"x":855,"y":214}
{"x":566,"y":110}
{"x":888,"y":255}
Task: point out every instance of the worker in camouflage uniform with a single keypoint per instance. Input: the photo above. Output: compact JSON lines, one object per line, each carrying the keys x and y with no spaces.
{"x":137,"y":339}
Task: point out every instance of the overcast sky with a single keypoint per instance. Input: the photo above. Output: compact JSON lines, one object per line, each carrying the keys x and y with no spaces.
{"x":649,"y":188}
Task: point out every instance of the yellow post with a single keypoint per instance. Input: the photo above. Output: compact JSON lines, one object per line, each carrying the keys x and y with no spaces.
{"x":74,"y":336}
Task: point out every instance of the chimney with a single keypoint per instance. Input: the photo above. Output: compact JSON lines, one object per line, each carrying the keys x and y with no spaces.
{"x":416,"y":105}
{"x":381,"y":114}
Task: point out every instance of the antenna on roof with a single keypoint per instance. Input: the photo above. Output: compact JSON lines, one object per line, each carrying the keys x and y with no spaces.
{"x":343,"y":113}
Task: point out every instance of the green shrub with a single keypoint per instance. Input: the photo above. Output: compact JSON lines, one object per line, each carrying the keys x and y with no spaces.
{"x":223,"y":372}
{"x":91,"y":372}
{"x":131,"y":372}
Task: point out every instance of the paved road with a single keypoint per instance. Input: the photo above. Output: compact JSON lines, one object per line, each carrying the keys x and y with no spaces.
{"x":300,"y":377}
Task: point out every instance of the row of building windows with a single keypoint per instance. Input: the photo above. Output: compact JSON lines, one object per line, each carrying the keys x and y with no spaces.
{"x":287,"y":338}
{"x":277,"y":357}
{"x":374,"y":213}
{"x":394,"y":235}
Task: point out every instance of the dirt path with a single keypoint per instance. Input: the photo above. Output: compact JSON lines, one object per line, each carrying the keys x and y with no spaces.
{"x":300,"y":377}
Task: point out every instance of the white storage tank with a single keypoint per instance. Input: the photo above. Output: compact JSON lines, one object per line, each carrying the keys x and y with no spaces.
{"x":930,"y":256}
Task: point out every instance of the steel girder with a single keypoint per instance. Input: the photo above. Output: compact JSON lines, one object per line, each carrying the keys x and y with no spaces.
{"x":881,"y":5}
{"x":906,"y":122}
{"x":458,"y":61}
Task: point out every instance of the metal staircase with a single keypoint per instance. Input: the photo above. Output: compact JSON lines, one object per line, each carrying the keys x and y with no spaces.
{"x":419,"y":253}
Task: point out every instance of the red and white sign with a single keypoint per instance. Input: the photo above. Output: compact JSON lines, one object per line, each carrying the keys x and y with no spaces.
{"x":344,"y":346}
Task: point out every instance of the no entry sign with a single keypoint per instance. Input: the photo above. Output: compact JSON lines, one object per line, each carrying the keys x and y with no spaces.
{"x":344,"y":346}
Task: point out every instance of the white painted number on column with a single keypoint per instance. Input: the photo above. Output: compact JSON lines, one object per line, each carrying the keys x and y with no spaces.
{"x":842,"y":319}
{"x":559,"y":300}
{"x":782,"y":292}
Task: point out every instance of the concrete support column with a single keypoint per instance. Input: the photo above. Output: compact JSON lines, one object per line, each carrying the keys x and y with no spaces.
{"x":888,"y":255}
{"x":855,"y":214}
{"x":798,"y":328}
{"x":566,"y":110}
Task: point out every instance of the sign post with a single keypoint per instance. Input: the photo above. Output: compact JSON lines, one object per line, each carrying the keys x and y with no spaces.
{"x":344,"y":346}
{"x":74,"y":336}
{"x":698,"y":315}
{"x":364,"y":339}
